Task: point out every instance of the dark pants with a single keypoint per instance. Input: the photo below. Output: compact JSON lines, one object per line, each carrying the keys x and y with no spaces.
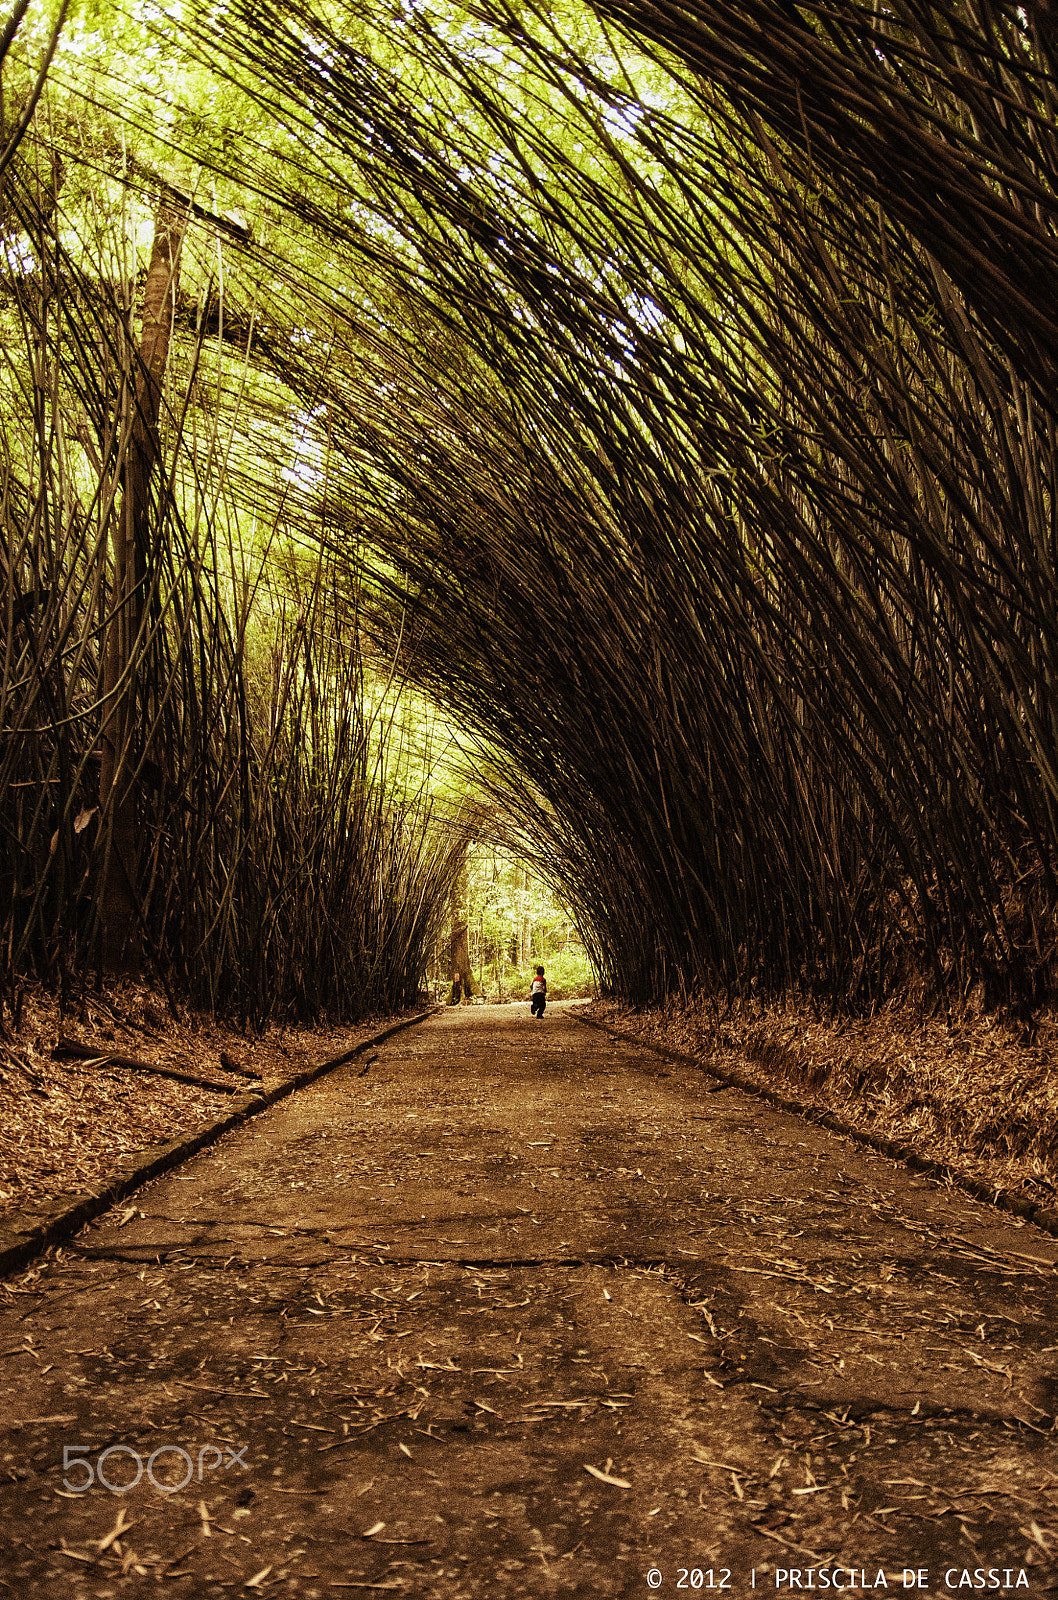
{"x":537,"y":1004}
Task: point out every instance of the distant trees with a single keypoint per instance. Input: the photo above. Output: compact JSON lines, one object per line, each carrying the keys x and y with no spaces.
{"x":508,"y":919}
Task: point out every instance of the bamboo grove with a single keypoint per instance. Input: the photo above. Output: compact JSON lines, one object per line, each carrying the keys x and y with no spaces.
{"x":194,"y":775}
{"x":679,"y":390}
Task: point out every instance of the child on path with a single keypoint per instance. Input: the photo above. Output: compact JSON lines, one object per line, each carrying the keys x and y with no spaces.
{"x":538,"y":993}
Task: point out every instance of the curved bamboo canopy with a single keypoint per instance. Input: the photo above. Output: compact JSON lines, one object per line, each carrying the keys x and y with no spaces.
{"x":675,"y":387}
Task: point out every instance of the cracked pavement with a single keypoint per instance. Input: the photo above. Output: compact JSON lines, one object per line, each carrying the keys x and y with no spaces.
{"x":525,"y":1310}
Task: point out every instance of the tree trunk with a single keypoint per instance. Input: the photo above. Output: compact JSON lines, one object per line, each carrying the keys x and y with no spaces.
{"x":459,"y":944}
{"x":525,"y":924}
{"x":133,"y":552}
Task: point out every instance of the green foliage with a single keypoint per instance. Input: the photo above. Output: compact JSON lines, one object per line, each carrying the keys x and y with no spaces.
{"x":515,"y":920}
{"x":570,"y":975}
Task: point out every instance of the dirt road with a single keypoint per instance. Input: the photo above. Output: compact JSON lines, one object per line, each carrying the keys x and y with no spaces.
{"x":526,"y":1311}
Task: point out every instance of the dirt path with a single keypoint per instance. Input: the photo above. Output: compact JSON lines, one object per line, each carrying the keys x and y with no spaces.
{"x":525,"y":1311}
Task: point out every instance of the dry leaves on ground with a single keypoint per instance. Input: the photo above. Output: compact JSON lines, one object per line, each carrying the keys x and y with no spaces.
{"x":972,"y":1093}
{"x":64,"y":1124}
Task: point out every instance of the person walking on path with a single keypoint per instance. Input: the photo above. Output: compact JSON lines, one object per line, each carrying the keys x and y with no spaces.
{"x":538,"y":993}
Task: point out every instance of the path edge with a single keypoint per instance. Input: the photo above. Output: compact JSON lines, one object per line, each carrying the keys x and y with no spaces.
{"x":28,"y":1234}
{"x":1041,"y":1216}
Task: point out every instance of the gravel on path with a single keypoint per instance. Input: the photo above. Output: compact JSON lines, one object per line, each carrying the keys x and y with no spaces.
{"x":523,"y":1310}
